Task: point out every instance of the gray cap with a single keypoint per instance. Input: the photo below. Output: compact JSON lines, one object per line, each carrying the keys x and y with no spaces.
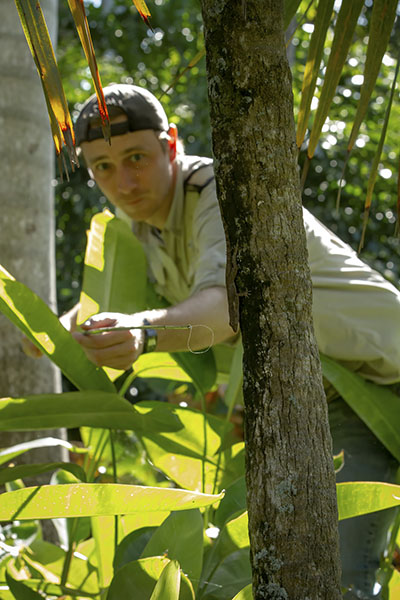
{"x":141,"y":107}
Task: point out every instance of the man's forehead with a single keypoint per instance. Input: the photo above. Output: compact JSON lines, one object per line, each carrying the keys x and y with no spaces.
{"x":144,"y":139}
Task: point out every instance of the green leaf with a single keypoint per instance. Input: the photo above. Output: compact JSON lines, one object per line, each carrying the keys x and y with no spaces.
{"x":137,"y":579}
{"x":132,"y":546}
{"x":376,"y":405}
{"x":362,"y":497}
{"x":290,"y":9}
{"x":191,"y":457}
{"x":245,"y":594}
{"x":74,"y":409}
{"x":31,"y":470}
{"x":13,"y":451}
{"x":34,"y":318}
{"x":96,"y":499}
{"x":103,"y":529}
{"x":169,"y":584}
{"x":233,"y":502}
{"x":322,"y":21}
{"x":180,"y":538}
{"x":20,"y":591}
{"x":230,"y":577}
{"x":344,"y":30}
{"x":382,"y":21}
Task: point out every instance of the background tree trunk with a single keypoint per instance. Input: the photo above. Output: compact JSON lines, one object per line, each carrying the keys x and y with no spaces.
{"x":26,"y":215}
{"x":289,"y":471}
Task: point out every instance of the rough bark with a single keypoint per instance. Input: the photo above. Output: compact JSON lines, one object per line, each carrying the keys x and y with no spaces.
{"x":289,"y":471}
{"x":26,"y":215}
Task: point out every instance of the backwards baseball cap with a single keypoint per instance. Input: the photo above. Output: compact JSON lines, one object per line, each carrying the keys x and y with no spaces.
{"x":141,"y":108}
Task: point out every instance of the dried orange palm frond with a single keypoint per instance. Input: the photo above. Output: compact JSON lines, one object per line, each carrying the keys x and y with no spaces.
{"x":82,"y":26}
{"x":143,"y":11}
{"x":38,"y":38}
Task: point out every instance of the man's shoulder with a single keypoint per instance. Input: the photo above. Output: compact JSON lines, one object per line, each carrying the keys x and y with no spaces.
{"x":196,"y":171}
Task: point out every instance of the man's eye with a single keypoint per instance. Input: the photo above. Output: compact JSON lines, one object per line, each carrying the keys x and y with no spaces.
{"x":102,"y":166}
{"x":135,"y":157}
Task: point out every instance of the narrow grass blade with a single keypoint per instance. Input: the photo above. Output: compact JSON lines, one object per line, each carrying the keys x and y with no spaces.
{"x":322,"y":20}
{"x":143,"y":11}
{"x":344,"y":30}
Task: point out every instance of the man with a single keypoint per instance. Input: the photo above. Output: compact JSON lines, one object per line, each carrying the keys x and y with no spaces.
{"x":169,"y":199}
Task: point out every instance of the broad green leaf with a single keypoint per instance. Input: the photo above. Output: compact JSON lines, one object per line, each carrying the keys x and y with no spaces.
{"x":394,"y":585}
{"x":95,"y":499}
{"x":53,"y":590}
{"x":362,"y":497}
{"x":344,"y":30}
{"x":180,"y":538}
{"x":338,"y":461}
{"x":20,"y":591}
{"x":245,"y":594}
{"x":322,"y":21}
{"x":138,"y":579}
{"x":382,"y":20}
{"x":233,"y":392}
{"x":230,"y":577}
{"x":130,"y":523}
{"x":169,"y":584}
{"x":114,"y":275}
{"x":39,"y":42}
{"x":31,"y":470}
{"x":376,"y":405}
{"x":74,"y":409}
{"x":132,"y":546}
{"x":233,"y":536}
{"x":233,"y":502}
{"x":13,"y":451}
{"x":34,"y":318}
{"x":191,"y":459}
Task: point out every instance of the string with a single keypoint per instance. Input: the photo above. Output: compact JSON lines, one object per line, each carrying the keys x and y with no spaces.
{"x":190,"y":337}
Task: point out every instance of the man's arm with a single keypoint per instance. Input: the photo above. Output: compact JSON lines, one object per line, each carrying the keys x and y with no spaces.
{"x":206,"y":311}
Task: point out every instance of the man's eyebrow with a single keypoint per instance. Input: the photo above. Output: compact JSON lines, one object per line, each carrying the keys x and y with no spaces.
{"x":122,"y":153}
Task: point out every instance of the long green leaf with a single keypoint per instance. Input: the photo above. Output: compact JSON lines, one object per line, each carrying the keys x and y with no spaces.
{"x":290,"y":9}
{"x":96,"y":499}
{"x":382,"y":20}
{"x":344,"y":30}
{"x":362,"y":497}
{"x":169,"y":584}
{"x":13,"y":451}
{"x":75,"y":409}
{"x":322,"y":20}
{"x":230,"y":577}
{"x":245,"y":594}
{"x":34,"y":318}
{"x":103,"y":530}
{"x":31,"y":470}
{"x":377,"y":406}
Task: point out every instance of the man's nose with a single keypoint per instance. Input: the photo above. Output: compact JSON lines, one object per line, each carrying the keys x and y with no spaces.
{"x":127,"y":179}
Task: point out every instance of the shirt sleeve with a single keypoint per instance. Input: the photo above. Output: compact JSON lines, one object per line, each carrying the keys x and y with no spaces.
{"x":356,"y":311}
{"x":209,"y":242}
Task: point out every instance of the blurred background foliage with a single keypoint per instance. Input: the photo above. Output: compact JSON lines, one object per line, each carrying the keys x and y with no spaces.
{"x":128,"y":52}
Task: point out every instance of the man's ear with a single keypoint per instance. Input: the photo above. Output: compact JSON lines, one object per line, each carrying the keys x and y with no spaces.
{"x":173,"y":138}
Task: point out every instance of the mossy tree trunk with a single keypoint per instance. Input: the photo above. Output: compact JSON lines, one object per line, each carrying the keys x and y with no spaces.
{"x":289,"y":470}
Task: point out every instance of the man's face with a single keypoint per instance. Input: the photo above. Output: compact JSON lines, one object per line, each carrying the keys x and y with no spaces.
{"x":136,"y":173}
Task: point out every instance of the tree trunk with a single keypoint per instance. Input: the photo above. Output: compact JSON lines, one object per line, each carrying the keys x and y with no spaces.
{"x":289,"y":470}
{"x":26,"y":216}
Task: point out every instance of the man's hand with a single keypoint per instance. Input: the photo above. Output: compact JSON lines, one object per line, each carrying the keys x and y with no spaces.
{"x":116,"y":349}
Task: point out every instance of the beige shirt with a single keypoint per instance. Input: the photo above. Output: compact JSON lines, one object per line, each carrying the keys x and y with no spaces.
{"x":356,"y":311}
